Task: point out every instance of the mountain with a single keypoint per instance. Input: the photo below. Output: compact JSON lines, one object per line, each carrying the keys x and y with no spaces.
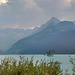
{"x":74,"y":22}
{"x":58,"y":36}
{"x":9,"y":36}
{"x":62,"y":42}
{"x":29,"y":32}
{"x":52,"y":21}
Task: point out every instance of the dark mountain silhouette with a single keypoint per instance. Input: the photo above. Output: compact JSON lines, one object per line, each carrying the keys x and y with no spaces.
{"x":59,"y":36}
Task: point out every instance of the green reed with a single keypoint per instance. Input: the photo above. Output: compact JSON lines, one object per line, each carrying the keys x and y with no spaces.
{"x":24,"y":66}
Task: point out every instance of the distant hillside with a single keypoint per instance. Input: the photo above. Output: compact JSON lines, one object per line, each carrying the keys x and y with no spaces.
{"x":9,"y":36}
{"x":74,"y":22}
{"x":58,"y":36}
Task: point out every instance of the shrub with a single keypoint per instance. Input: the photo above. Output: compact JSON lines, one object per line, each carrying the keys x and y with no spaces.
{"x":10,"y":66}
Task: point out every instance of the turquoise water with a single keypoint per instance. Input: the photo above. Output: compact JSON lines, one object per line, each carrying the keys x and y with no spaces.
{"x":63,"y":59}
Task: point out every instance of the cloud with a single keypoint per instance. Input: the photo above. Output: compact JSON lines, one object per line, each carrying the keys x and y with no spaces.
{"x":30,"y":13}
{"x":55,"y":8}
{"x":23,"y":13}
{"x":3,"y":2}
{"x":69,"y":11}
{"x":73,"y":4}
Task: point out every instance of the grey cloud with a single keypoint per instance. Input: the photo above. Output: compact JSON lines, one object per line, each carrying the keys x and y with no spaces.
{"x":73,"y":5}
{"x":18,"y":12}
{"x":51,"y":6}
{"x":28,"y":13}
{"x":70,"y":11}
{"x":58,"y":8}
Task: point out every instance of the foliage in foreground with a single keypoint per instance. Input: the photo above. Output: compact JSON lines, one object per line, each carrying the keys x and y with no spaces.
{"x":10,"y":66}
{"x":26,"y":67}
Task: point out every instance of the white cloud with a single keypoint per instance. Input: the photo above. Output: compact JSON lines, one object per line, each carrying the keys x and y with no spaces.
{"x":3,"y":1}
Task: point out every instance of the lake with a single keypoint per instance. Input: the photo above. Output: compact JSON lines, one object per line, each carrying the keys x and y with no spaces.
{"x":63,"y":59}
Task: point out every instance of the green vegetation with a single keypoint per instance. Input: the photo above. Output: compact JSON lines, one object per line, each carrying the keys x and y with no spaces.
{"x":72,"y":60}
{"x":10,"y":66}
{"x":26,"y":67}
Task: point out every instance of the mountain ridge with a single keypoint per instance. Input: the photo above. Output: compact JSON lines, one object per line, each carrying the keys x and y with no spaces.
{"x":47,"y":39}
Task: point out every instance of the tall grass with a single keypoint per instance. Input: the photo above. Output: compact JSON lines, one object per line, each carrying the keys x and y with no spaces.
{"x":25,"y":66}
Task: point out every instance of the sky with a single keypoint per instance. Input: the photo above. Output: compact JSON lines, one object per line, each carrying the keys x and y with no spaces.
{"x":24,"y":14}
